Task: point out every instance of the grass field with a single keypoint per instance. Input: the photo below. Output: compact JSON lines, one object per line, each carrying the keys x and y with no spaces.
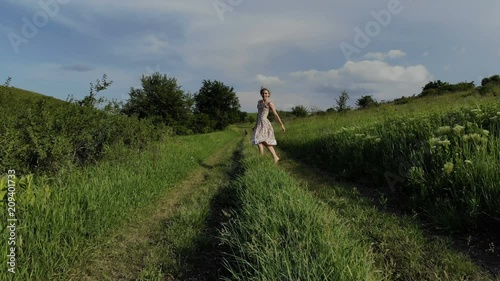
{"x":442,"y":153}
{"x":58,"y":220}
{"x":207,"y":207}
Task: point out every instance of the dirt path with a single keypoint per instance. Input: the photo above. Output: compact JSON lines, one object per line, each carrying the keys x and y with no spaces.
{"x":125,"y":253}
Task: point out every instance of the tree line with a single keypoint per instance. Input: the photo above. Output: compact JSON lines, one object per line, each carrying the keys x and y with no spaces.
{"x":162,"y":100}
{"x":44,"y":135}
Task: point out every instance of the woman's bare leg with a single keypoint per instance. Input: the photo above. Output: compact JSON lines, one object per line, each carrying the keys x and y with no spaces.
{"x":271,"y":149}
{"x":261,"y":149}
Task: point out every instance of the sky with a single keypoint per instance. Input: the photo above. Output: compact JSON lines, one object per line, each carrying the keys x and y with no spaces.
{"x":305,"y":52}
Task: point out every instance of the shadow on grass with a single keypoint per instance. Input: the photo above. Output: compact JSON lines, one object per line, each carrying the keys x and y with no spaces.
{"x":206,"y":263}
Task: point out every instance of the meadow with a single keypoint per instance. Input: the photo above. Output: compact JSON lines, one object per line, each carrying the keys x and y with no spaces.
{"x":59,"y":218}
{"x":294,"y":222}
{"x":440,"y":153}
{"x":123,"y":200}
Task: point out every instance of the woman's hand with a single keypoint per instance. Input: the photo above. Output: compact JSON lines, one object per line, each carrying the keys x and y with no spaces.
{"x":283,"y":128}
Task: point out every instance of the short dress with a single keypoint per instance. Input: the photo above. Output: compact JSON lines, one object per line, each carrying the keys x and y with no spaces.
{"x":263,"y":131}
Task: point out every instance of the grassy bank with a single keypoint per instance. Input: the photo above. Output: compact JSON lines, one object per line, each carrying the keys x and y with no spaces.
{"x":58,"y":217}
{"x":442,"y":153}
{"x":401,"y":249}
{"x":292,"y":222}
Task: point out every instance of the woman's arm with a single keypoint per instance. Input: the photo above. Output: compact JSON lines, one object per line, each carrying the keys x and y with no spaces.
{"x":277,"y":116}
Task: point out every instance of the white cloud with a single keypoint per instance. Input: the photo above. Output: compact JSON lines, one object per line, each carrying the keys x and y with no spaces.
{"x":154,"y":44}
{"x":268,"y":80}
{"x":426,"y":54}
{"x":150,"y":46}
{"x":392,"y":54}
{"x":383,"y":80}
{"x":396,"y":53}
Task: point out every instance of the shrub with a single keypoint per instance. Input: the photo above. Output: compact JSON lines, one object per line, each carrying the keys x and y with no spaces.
{"x":299,"y":111}
{"x":365,"y":102}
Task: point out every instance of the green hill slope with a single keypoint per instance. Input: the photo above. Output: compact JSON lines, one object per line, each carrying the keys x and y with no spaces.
{"x":12,"y":96}
{"x":440,"y":153}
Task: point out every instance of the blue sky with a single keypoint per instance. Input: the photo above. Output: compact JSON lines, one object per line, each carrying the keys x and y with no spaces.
{"x":306,"y":52}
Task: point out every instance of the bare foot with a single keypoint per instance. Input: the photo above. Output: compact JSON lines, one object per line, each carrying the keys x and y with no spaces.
{"x":276,"y":159}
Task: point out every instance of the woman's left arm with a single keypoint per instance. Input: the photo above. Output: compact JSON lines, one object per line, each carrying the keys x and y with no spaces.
{"x":277,"y":116}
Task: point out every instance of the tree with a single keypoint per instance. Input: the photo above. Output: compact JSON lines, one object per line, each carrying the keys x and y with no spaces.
{"x":365,"y":102}
{"x":433,"y":88}
{"x":299,"y":111}
{"x":315,"y":110}
{"x":219,"y":102}
{"x":342,"y":101}
{"x":434,"y":85}
{"x":90,"y":100}
{"x":160,"y":99}
{"x":495,"y":80}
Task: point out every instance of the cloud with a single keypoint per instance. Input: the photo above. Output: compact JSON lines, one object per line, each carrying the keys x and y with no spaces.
{"x":154,"y":44}
{"x":268,"y":80}
{"x":258,"y":43}
{"x":252,"y":40}
{"x":147,"y":46}
{"x":77,"y":67}
{"x":384,"y":81}
{"x":392,"y":54}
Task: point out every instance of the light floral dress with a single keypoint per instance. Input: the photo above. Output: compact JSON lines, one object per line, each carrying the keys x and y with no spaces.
{"x":263,"y":131}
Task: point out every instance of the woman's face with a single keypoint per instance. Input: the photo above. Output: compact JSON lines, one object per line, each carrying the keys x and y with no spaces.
{"x":265,"y":94}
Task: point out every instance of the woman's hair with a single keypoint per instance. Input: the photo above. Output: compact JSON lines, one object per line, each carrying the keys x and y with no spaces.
{"x":262,"y":89}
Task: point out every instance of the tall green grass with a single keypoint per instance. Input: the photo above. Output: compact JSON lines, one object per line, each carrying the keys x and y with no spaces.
{"x":444,"y":157}
{"x":400,"y":248}
{"x":280,"y":232}
{"x":186,"y":243}
{"x":59,"y":218}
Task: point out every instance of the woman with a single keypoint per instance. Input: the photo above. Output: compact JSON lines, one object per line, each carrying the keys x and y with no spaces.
{"x":263,"y":132}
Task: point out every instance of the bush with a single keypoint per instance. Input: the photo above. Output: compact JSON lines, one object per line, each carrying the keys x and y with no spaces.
{"x":438,"y":88}
{"x":495,"y":80}
{"x":487,"y":89}
{"x":404,"y":100}
{"x":365,"y":102}
{"x":39,"y":134}
{"x":299,"y":111}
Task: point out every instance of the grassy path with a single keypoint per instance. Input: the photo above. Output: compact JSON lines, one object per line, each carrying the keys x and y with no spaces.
{"x":401,"y":250}
{"x":171,"y":239}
